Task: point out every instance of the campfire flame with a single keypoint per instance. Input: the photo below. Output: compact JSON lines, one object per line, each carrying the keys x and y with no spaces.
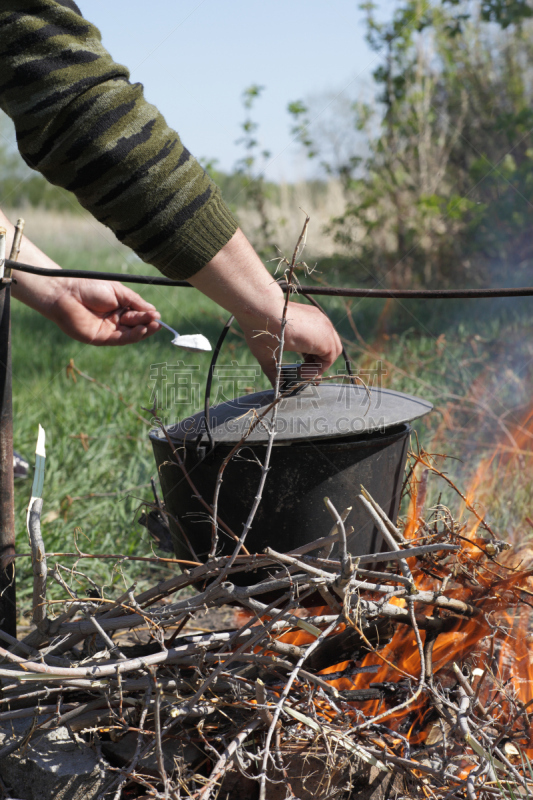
{"x":482,"y":649}
{"x":492,"y":649}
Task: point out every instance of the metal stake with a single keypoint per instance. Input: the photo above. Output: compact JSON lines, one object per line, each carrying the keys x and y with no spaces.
{"x":8,"y":596}
{"x":8,"y":600}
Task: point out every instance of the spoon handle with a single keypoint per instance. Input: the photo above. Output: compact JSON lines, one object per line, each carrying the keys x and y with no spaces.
{"x":164,"y":324}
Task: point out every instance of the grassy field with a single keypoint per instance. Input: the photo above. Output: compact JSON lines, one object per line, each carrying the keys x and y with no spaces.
{"x":473,"y":361}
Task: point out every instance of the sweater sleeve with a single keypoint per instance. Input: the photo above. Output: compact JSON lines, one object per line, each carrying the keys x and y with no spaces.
{"x":86,"y":128}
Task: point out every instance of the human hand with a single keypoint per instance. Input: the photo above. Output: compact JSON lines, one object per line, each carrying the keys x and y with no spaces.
{"x":238,"y":281}
{"x":102,"y":312}
{"x":307,"y":331}
{"x":91,"y":311}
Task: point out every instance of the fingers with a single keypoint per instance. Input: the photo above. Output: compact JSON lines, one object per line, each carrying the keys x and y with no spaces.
{"x":308,"y":331}
{"x":123,"y":334}
{"x":267,"y":361}
{"x":314,"y":367}
{"x":132,"y":319}
{"x":131,"y":334}
{"x":133,"y":310}
{"x":127,"y":298}
{"x":132,"y":326}
{"x":104,"y":313}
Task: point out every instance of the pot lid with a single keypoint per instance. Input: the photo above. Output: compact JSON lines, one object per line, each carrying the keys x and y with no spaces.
{"x":326,"y":411}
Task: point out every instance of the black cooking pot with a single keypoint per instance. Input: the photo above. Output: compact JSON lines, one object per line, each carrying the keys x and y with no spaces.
{"x":329,"y":441}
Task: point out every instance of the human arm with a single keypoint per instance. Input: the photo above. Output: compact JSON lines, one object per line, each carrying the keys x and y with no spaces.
{"x":85,"y":127}
{"x":237,"y":280}
{"x":95,"y":311}
{"x":91,"y":311}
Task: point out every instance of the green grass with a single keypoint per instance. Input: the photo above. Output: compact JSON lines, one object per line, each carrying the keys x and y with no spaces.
{"x":483,"y":351}
{"x":119,"y":455}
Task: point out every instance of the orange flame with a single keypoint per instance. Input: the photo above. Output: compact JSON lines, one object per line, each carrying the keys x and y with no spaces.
{"x":502,"y":466}
{"x":494,"y":645}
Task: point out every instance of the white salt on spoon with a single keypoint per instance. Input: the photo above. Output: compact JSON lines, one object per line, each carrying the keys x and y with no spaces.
{"x":194,"y":343}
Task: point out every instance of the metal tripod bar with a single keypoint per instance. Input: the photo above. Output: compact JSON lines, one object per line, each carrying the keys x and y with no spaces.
{"x":8,"y":599}
{"x":325,"y":291}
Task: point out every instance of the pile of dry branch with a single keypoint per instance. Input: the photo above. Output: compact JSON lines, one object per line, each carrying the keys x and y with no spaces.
{"x":408,"y":668}
{"x":406,"y":671}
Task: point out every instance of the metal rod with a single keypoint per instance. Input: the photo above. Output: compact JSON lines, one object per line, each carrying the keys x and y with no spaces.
{"x":101,"y":276}
{"x":415,"y":294}
{"x":325,"y":291}
{"x":8,"y":604}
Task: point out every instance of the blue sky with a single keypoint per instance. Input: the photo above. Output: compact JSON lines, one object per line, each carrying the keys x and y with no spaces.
{"x":195,"y":57}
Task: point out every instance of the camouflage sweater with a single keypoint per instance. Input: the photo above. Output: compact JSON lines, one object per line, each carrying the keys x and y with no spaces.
{"x":85,"y":127}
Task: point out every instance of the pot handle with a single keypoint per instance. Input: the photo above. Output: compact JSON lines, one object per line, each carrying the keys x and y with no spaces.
{"x":208,"y":384}
{"x":291,"y":378}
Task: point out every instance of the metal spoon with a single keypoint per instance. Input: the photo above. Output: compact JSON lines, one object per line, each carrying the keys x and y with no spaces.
{"x":194,"y":343}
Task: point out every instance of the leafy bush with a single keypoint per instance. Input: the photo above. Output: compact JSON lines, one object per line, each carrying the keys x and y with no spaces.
{"x":444,"y":190}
